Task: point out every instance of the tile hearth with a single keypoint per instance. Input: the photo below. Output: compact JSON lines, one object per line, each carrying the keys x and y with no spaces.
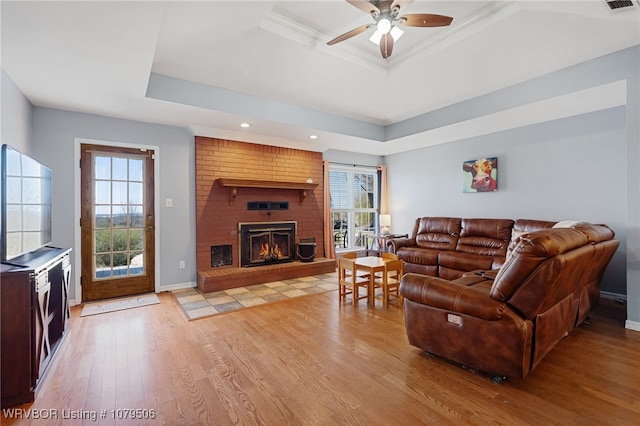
{"x":199,"y":305}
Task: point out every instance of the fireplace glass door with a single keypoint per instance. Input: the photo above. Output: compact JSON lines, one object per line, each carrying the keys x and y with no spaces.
{"x":266,"y":243}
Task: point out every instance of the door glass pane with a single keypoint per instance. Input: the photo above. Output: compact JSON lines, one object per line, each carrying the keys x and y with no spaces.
{"x":102,"y":167}
{"x":136,"y":239}
{"x":120,"y":216}
{"x":103,"y":265}
{"x":135,"y":217}
{"x":119,"y":169}
{"x":135,"y":193}
{"x":103,"y":192}
{"x":135,"y":170}
{"x":136,"y":266}
{"x":119,"y":193}
{"x":119,"y":235}
{"x":102,"y":241}
{"x":103,"y":216}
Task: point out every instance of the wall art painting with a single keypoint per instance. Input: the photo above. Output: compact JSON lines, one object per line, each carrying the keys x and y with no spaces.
{"x":480,"y":175}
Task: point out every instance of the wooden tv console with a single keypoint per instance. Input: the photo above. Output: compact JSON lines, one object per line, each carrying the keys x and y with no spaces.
{"x":35,"y":315}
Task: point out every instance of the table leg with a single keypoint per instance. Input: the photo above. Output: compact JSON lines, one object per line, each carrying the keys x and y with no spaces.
{"x":371,"y":288}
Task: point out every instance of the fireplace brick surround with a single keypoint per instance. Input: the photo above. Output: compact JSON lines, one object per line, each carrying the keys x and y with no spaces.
{"x":218,"y":213}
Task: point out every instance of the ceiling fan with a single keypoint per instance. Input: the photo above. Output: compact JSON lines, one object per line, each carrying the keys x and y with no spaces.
{"x":385,"y":14}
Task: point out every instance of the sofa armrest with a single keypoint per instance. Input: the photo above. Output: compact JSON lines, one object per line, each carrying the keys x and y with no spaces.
{"x":443,"y":294}
{"x":395,"y":243}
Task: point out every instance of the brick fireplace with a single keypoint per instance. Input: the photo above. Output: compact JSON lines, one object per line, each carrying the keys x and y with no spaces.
{"x":232,"y":178}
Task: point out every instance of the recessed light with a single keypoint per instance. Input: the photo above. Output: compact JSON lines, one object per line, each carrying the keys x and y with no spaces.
{"x":245,"y":125}
{"x":313,"y":137}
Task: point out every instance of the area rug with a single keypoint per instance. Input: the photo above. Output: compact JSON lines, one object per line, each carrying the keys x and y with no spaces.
{"x":196,"y":305}
{"x":119,"y":304}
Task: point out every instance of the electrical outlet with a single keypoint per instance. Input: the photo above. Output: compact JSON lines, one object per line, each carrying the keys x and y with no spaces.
{"x":182,"y":264}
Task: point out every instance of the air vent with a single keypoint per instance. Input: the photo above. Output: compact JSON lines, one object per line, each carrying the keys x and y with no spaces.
{"x":620,"y":5}
{"x":268,"y":205}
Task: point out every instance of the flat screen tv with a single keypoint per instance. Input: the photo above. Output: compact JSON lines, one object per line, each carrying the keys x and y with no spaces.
{"x":26,"y":204}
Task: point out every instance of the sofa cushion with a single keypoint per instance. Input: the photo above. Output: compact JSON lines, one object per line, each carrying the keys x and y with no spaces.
{"x":487,"y":237}
{"x":440,"y":233}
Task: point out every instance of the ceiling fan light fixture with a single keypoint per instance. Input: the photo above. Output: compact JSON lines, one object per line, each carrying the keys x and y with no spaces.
{"x":384,"y":26}
{"x":375,"y":37}
{"x":396,"y":33}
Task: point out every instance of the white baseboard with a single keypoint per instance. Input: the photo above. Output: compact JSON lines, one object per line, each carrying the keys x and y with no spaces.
{"x":178,"y":286}
{"x":632,"y":325}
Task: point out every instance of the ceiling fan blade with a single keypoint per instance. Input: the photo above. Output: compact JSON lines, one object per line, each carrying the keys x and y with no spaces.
{"x":401,"y":4}
{"x":425,"y":20}
{"x":364,"y":6}
{"x":386,"y":45}
{"x":349,"y":34}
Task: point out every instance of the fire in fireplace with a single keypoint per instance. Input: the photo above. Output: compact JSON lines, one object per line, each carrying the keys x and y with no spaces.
{"x":263,"y":243}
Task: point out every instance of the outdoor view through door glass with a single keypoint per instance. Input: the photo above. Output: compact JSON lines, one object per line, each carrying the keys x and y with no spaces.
{"x":119,"y":217}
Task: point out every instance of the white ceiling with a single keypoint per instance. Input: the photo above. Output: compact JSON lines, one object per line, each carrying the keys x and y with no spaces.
{"x":210,"y":65}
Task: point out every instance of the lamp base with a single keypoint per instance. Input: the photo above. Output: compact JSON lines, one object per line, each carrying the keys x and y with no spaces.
{"x":384,"y":231}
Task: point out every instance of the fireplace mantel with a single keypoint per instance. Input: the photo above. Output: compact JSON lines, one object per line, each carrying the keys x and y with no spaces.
{"x":234,"y":184}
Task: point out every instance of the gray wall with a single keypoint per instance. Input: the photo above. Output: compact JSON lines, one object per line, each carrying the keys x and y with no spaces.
{"x":54,"y":134}
{"x":16,"y":117}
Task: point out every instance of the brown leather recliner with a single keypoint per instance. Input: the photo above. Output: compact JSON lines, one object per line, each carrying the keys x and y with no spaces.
{"x":503,"y":322}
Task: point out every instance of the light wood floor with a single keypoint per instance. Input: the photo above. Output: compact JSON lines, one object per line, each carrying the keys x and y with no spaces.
{"x":308,"y":361}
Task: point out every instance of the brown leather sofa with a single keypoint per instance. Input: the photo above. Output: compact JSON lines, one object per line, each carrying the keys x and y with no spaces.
{"x":504,"y":321}
{"x":447,"y":247}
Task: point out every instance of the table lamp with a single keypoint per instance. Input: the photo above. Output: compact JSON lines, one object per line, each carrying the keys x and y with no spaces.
{"x":385,"y":221}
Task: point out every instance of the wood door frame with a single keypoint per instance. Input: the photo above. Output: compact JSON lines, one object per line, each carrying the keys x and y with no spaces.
{"x":77,"y":233}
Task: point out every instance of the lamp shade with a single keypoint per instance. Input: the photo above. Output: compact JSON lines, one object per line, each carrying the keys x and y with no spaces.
{"x":385,"y":220}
